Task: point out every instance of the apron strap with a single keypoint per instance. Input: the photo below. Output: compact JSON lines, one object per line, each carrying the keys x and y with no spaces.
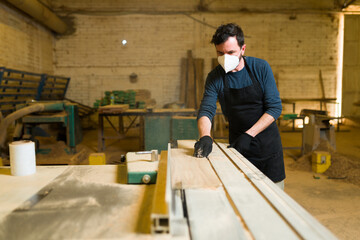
{"x":253,"y":79}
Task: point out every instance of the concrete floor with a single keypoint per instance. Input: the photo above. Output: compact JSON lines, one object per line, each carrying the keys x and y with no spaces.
{"x":335,"y":203}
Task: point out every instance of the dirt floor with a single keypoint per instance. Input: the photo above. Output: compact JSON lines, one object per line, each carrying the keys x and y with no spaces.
{"x":332,"y":197}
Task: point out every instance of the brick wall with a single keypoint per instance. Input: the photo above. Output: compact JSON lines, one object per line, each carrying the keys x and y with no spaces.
{"x":298,"y":41}
{"x":297,"y":46}
{"x":24,"y":44}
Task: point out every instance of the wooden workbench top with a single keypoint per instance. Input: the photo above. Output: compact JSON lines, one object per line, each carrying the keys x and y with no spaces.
{"x":82,"y":202}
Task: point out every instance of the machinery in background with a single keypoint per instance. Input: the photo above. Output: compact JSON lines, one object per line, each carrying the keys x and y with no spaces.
{"x":62,"y":113}
{"x":31,"y":115}
{"x":318,"y":132}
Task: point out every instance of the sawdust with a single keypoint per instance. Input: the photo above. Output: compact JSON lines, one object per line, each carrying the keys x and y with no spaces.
{"x":57,"y":152}
{"x":343,"y":167}
{"x":77,"y":209}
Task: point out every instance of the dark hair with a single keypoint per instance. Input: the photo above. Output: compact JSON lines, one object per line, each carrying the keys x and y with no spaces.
{"x":229,"y":30}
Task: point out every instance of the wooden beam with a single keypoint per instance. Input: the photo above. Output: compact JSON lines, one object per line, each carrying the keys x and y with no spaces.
{"x":191,"y":85}
{"x":322,"y":88}
{"x":302,"y":222}
{"x":199,"y":80}
{"x":215,"y":219}
{"x":261,"y":219}
{"x":183,"y":80}
{"x":190,"y":172}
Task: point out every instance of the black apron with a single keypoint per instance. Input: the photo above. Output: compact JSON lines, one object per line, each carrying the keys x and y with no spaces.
{"x":244,"y":107}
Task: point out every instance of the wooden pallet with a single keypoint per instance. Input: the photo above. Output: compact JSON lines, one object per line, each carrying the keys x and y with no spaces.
{"x":18,"y":87}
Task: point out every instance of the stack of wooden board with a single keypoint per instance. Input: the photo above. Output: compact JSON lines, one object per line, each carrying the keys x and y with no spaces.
{"x":225,"y":197}
{"x":118,"y":108}
{"x":192,"y":81}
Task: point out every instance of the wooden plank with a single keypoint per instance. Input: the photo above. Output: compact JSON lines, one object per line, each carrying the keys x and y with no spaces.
{"x":199,"y":80}
{"x":214,"y":63}
{"x":134,"y":111}
{"x":191,"y":172}
{"x":118,"y":108}
{"x":292,"y":100}
{"x":178,"y":222}
{"x":190,"y":90}
{"x":140,"y":162}
{"x":173,"y":197}
{"x":183,"y":80}
{"x":304,"y":224}
{"x":211,"y":216}
{"x":322,"y":88}
{"x":186,"y":144}
{"x":259,"y":216}
{"x":169,"y":110}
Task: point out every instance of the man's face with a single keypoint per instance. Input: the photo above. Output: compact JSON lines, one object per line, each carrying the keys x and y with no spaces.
{"x":230,"y":47}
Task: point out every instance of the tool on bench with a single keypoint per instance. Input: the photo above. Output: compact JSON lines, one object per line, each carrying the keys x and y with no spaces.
{"x":154,"y":154}
{"x":139,"y":167}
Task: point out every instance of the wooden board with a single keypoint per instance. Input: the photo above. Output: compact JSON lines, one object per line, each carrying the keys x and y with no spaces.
{"x":191,"y":172}
{"x":191,"y":84}
{"x":117,"y":108}
{"x":199,"y":80}
{"x":170,"y":110}
{"x":183,"y":82}
{"x":260,"y":217}
{"x":215,"y":219}
{"x":140,"y":162}
{"x":306,"y":225}
{"x":265,"y":211}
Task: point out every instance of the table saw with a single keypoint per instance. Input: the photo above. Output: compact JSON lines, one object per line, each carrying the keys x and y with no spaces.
{"x":220,"y":197}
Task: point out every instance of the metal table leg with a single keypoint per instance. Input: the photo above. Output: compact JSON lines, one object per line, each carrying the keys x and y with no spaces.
{"x":101,"y":145}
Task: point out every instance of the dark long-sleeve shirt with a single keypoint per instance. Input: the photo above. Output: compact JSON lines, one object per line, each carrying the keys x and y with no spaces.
{"x":214,"y":87}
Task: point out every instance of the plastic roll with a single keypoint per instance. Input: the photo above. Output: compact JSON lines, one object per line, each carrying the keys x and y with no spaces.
{"x":22,"y":158}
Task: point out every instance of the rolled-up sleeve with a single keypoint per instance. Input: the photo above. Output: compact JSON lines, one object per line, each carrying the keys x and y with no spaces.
{"x":208,"y":103}
{"x":272,"y":101}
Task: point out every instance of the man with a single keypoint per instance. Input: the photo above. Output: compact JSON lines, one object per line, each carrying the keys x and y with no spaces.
{"x":246,"y":89}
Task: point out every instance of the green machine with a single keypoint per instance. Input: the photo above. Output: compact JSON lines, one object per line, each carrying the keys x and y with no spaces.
{"x":160,"y":130}
{"x":62,"y":113}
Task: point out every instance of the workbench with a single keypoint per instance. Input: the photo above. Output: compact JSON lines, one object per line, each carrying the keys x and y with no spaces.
{"x":134,"y":114}
{"x":321,"y":101}
{"x":226,"y":197}
{"x":220,"y":197}
{"x":72,"y":202}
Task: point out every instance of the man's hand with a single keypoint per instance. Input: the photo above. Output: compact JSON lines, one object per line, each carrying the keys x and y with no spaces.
{"x":203,"y":147}
{"x":242,"y":143}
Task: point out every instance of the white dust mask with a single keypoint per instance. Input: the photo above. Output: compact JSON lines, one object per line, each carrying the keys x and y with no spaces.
{"x":228,"y":62}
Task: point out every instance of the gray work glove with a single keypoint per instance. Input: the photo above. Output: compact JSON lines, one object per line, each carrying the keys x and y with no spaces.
{"x":203,"y":147}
